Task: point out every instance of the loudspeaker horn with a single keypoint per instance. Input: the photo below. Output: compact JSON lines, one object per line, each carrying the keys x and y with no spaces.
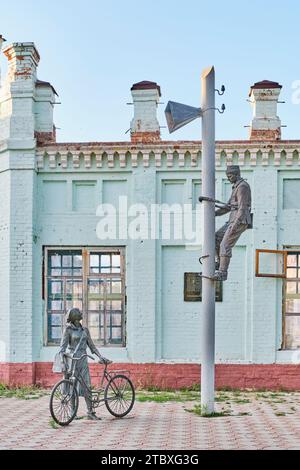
{"x":178,"y":115}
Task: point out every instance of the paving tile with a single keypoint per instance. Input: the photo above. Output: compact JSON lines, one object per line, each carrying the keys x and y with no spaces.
{"x":26,"y":425}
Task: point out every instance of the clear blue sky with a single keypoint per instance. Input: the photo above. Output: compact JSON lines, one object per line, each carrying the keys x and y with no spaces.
{"x":92,"y":51}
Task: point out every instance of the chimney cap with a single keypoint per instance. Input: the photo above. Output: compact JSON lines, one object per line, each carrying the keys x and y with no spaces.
{"x":146,"y":85}
{"x":264,"y":84}
{"x":41,"y":83}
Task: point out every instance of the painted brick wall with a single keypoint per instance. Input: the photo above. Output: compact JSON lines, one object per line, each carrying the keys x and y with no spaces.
{"x":16,"y":311}
{"x":17,"y":173}
{"x":265,"y":233}
{"x":5,"y":266}
{"x":141,"y":294}
{"x":21,"y":260}
{"x":160,"y":325}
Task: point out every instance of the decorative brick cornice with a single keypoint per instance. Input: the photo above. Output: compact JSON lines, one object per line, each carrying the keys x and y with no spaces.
{"x":165,"y":155}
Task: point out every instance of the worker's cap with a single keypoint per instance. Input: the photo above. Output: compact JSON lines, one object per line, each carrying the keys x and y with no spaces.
{"x":233,"y":169}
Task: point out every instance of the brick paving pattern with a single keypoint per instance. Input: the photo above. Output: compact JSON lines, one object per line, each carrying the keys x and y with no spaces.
{"x":269,"y":424}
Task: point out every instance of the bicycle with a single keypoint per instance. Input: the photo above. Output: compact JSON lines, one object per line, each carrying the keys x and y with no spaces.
{"x":118,"y":395}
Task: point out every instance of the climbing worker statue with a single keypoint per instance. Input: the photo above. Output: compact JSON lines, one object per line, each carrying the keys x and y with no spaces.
{"x":239,"y":206}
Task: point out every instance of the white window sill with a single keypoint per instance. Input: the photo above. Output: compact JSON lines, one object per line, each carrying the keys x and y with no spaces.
{"x":288,"y":357}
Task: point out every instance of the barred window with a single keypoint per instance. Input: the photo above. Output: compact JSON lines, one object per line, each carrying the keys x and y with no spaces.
{"x":94,"y":282}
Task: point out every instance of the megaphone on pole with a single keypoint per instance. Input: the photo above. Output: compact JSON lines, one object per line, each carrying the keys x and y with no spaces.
{"x":178,"y":115}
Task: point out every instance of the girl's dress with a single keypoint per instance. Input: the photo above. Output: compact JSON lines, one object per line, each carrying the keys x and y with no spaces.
{"x":72,"y":336}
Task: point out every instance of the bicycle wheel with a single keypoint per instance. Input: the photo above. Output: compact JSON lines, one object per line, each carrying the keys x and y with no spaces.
{"x":119,"y":396}
{"x":64,"y":402}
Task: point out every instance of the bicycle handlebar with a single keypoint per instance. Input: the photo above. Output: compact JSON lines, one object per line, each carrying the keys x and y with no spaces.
{"x":86,"y":355}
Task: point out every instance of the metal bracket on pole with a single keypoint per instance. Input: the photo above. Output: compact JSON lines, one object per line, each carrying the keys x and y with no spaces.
{"x":221,"y":111}
{"x":203,"y":257}
{"x":220,"y":93}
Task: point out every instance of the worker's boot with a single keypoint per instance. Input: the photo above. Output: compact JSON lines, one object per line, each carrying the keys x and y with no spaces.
{"x":91,"y":412}
{"x":92,"y":416}
{"x":221,"y":273}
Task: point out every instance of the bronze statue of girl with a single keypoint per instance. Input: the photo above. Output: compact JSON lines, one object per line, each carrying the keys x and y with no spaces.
{"x":76,"y":339}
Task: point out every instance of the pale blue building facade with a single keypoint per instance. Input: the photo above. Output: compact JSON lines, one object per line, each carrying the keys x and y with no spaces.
{"x":138,"y":288}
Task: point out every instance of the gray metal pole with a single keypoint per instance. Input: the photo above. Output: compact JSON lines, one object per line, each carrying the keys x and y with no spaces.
{"x":208,"y":286}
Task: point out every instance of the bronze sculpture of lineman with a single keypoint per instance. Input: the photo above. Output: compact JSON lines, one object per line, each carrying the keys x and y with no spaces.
{"x":77,"y":339}
{"x":239,"y":206}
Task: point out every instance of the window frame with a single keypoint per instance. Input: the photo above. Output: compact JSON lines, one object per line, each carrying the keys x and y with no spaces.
{"x":284,"y":254}
{"x":85,"y":251}
{"x":289,"y":251}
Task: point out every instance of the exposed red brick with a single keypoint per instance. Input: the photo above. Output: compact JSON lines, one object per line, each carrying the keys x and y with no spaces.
{"x":25,"y":71}
{"x":268,"y":134}
{"x":256,"y":376}
{"x":44,"y":138}
{"x":169,"y":144}
{"x":8,"y":55}
{"x":17,"y":374}
{"x":145,"y":137}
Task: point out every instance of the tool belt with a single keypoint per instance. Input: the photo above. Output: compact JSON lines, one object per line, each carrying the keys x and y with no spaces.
{"x":250,"y":225}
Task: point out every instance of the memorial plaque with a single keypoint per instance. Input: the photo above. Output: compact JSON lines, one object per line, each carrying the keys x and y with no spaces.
{"x":193,"y":288}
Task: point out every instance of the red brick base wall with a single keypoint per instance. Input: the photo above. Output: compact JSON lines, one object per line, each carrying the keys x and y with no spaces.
{"x":17,"y":374}
{"x":264,"y":376}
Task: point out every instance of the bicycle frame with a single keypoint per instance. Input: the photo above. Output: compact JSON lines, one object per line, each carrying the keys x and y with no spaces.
{"x":76,"y":377}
